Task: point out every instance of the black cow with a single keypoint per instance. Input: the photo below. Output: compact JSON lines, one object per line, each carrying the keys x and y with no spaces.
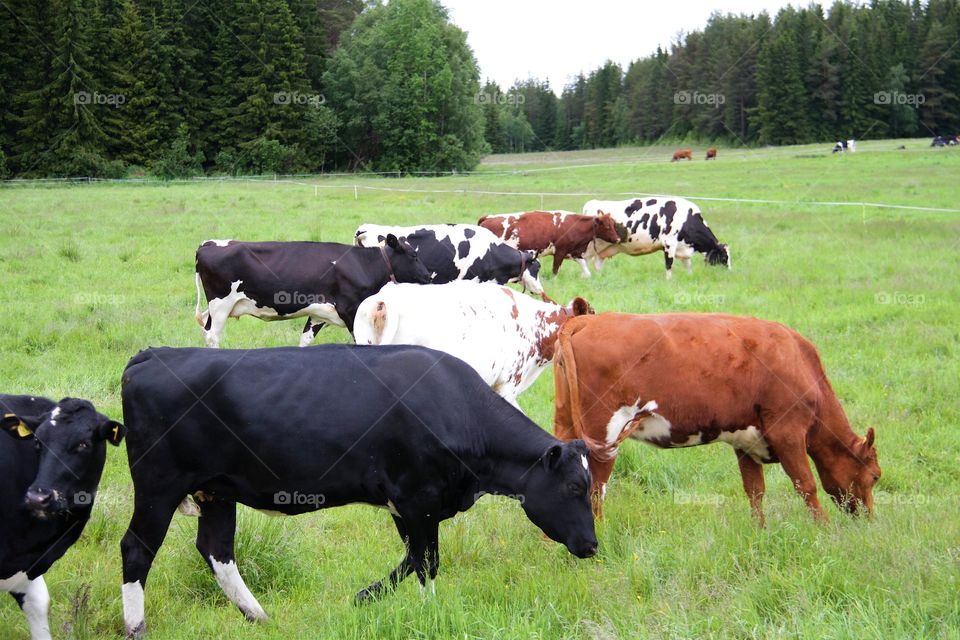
{"x":290,"y":430}
{"x":942,"y":141}
{"x":52,"y":458}
{"x":461,"y":252}
{"x":322,"y":281}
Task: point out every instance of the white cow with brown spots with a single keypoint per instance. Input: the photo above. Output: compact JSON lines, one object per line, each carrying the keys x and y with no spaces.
{"x":507,"y":337}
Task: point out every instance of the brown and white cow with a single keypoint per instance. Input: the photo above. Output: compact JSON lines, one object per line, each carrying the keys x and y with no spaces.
{"x":678,"y":380}
{"x":508,"y":338}
{"x":562,"y":234}
{"x":711,"y":153}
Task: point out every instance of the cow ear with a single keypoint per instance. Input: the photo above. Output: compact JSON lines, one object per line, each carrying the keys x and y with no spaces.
{"x":869,"y":439}
{"x":393,"y":243}
{"x":15,"y":427}
{"x":111,"y":431}
{"x":581,"y":307}
{"x":551,"y":459}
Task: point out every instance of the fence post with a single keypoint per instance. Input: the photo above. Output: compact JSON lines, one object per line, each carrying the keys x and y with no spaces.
{"x":354,"y":192}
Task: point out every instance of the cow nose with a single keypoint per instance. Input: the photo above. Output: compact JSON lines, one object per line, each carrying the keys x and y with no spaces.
{"x":589,"y":550}
{"x":39,"y":498}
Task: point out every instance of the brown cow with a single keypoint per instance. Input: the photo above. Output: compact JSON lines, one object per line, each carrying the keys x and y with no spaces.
{"x":677,"y":380}
{"x":561,"y":233}
{"x":711,"y":153}
{"x":681,"y":154}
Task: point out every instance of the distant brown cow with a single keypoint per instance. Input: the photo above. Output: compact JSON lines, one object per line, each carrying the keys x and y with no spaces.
{"x":677,"y":380}
{"x":681,"y":154}
{"x":560,"y":233}
{"x":711,"y":153}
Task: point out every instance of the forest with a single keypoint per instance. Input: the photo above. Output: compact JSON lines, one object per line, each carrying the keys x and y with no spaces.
{"x":175,"y":88}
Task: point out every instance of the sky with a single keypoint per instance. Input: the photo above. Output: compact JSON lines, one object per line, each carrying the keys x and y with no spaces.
{"x":556,"y":39}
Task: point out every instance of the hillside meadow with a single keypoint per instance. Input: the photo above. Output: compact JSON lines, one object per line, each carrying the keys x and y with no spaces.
{"x":92,"y":273}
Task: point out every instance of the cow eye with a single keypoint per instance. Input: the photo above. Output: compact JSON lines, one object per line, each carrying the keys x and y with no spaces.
{"x":83,"y":446}
{"x":573,"y":487}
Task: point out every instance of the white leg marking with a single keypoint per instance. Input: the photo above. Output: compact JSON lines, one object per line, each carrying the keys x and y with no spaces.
{"x":36,"y":603}
{"x":133,"y":607}
{"x":234,"y":588}
{"x":584,"y":269}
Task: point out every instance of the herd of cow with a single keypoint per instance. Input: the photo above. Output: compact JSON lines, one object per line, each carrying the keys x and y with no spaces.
{"x":420,"y":417}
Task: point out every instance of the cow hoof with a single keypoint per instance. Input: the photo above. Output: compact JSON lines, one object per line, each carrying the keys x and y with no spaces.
{"x":254,"y":616}
{"x":137,"y":632}
{"x":368,"y":595}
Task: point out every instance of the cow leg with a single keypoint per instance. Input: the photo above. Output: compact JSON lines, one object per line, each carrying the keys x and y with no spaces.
{"x":218,"y":313}
{"x":558,"y":259}
{"x":34,"y":600}
{"x":600,"y":471}
{"x":404,"y":569}
{"x":751,"y":472}
{"x":139,"y":546}
{"x":215,"y":531}
{"x":310,"y":331}
{"x":669,"y":260}
{"x":688,"y":263}
{"x":584,"y":268}
{"x":793,"y":458}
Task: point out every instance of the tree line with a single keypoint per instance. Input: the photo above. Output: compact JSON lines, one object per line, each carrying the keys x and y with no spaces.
{"x":176,"y":87}
{"x":886,"y":68}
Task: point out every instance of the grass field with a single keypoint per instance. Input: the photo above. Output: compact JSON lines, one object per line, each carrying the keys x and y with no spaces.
{"x":91,"y":274}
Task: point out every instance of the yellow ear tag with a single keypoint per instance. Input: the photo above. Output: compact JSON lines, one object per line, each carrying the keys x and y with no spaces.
{"x":23,"y":431}
{"x":116,"y":433}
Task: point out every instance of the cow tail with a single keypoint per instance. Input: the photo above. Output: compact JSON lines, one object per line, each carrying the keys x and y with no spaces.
{"x":379,"y":320}
{"x":200,"y":316}
{"x":568,"y":364}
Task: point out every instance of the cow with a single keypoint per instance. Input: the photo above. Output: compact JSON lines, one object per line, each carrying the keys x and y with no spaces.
{"x":462,"y":252}
{"x":322,"y":281}
{"x":678,"y":380}
{"x":711,"y":154}
{"x":52,"y":456}
{"x":507,"y":338}
{"x":561,"y":234}
{"x":404,"y":428}
{"x":845,"y":145}
{"x":943,"y":141}
{"x":673,"y":225}
{"x":681,"y":154}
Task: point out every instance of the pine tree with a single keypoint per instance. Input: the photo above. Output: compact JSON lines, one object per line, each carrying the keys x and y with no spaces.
{"x":781,"y":105}
{"x":937,"y":66}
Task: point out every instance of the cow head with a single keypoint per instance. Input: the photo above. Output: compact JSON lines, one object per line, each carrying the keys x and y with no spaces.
{"x":531,"y":273}
{"x":404,"y":262}
{"x":720,"y":256}
{"x":849,"y":477}
{"x":71,"y":442}
{"x":605,"y":228}
{"x":557,"y":497}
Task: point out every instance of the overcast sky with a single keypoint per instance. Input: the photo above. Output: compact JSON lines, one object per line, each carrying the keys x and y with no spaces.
{"x":556,"y":39}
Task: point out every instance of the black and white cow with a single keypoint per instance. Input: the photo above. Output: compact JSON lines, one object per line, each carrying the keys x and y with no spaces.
{"x":668,"y":224}
{"x":287,"y":430}
{"x":324,"y":282}
{"x":842,"y":146}
{"x":461,"y":252}
{"x":52,"y":456}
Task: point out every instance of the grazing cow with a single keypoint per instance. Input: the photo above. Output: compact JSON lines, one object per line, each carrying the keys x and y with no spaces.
{"x":678,"y":380}
{"x":673,"y":225}
{"x":561,"y":234}
{"x":461,"y":252}
{"x":52,"y":457}
{"x":507,"y":338}
{"x":408,"y":429}
{"x":711,"y":154}
{"x":681,"y":154}
{"x":844,"y":146}
{"x":322,"y":281}
{"x":942,"y":141}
